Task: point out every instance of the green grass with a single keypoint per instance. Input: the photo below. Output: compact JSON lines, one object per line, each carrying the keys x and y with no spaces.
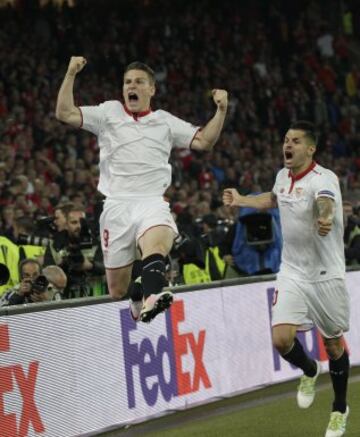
{"x":281,"y":418}
{"x":268,"y":412}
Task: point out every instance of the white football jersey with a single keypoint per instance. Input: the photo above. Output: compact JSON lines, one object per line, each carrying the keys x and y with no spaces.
{"x":306,"y":255}
{"x":135,"y":150}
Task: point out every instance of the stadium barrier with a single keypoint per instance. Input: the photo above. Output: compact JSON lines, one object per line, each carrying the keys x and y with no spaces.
{"x":76,"y":368}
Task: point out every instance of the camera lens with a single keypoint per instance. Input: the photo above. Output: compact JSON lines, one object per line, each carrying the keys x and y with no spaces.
{"x":40,"y":284}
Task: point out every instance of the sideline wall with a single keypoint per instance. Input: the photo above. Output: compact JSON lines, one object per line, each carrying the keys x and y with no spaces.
{"x":74,"y":371}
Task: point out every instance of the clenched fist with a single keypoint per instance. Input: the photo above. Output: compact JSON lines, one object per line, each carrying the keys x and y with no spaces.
{"x":324,"y":226}
{"x":220,"y":98}
{"x":231,"y":197}
{"x":76,"y":64}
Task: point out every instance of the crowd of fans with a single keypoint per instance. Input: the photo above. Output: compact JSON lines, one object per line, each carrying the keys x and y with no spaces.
{"x":280,"y":61}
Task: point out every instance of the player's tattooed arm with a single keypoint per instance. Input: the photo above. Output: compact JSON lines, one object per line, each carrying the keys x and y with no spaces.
{"x":325,"y":208}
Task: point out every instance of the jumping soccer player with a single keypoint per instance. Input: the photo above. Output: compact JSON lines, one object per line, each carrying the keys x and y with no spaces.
{"x":311,"y":282}
{"x":135,"y":144}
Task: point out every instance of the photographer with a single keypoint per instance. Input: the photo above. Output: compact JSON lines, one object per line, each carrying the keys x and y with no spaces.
{"x":57,"y":281}
{"x":33,"y":287}
{"x":32,"y":237}
{"x":9,"y":261}
{"x":212,"y":237}
{"x":351,"y":234}
{"x":60,"y":212}
{"x":29,"y":247}
{"x":78,"y":255}
{"x":199,"y":257}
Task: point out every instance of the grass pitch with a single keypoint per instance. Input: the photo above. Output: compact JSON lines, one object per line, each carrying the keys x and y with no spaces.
{"x":270,"y":412}
{"x":281,"y":418}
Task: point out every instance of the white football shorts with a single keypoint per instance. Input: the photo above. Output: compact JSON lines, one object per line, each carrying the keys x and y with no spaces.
{"x":124,"y":221}
{"x":323,"y":304}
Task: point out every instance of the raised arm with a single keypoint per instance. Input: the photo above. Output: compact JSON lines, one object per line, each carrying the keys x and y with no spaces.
{"x":206,"y":138}
{"x":261,"y":201}
{"x":66,"y":110}
{"x":325,"y":208}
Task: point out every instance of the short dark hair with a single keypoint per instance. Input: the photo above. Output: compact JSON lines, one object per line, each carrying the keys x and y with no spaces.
{"x":308,"y":128}
{"x":64,"y":207}
{"x":141,"y":66}
{"x":75,"y":208}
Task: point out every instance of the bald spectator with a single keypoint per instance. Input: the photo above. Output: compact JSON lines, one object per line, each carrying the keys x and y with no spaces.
{"x":57,"y":281}
{"x":35,"y":284}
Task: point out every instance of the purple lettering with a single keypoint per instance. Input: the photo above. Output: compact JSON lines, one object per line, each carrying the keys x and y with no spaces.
{"x":150,"y":362}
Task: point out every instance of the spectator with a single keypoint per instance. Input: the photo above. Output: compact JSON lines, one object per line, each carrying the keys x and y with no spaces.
{"x":284,"y":69}
{"x":9,"y":261}
{"x":60,"y":214}
{"x":351,"y":235}
{"x":30,"y":246}
{"x":57,"y":281}
{"x":33,"y":286}
{"x":78,"y":254}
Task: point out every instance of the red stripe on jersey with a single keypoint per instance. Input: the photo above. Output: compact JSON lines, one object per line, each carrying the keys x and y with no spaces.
{"x":136,"y":115}
{"x":299,"y":176}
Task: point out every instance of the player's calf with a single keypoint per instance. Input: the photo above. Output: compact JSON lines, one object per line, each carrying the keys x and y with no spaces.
{"x":153,"y":274}
{"x":136,"y":299}
{"x":153,"y":281}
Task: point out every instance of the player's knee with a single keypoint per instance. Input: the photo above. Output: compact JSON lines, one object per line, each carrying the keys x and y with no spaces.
{"x":282,"y":343}
{"x":117,"y":291}
{"x":162,"y":248}
{"x":334,"y":349}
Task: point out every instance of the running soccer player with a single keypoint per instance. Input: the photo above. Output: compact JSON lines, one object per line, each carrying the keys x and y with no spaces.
{"x":311,"y":282}
{"x":135,"y":144}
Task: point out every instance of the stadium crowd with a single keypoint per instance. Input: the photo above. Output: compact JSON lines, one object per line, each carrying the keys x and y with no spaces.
{"x":281,"y":61}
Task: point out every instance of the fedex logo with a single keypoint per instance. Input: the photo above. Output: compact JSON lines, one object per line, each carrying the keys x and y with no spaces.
{"x":310,"y":340}
{"x":12,"y":424}
{"x":149,"y":359}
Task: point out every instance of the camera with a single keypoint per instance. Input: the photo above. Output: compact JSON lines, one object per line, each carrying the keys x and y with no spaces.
{"x":38,"y":286}
{"x":46,"y":225}
{"x":258,"y":229}
{"x":33,"y":240}
{"x":72,"y":257}
{"x":4,"y":274}
{"x":72,"y":248}
{"x":187,"y":250}
{"x":85,"y":238}
{"x":43,"y":233}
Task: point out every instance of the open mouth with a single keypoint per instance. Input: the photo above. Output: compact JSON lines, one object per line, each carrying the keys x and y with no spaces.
{"x":133,"y":97}
{"x":288,"y":154}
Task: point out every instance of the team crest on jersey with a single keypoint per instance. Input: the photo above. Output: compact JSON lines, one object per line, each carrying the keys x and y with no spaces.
{"x":282,"y":190}
{"x":298,"y":192}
